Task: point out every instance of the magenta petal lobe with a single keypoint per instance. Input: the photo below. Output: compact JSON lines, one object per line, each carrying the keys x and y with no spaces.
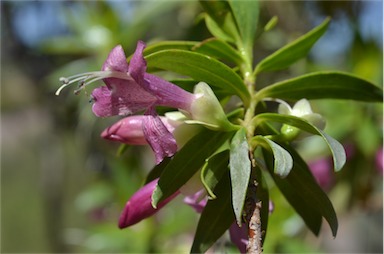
{"x":116,"y":60}
{"x":137,"y":65}
{"x":159,"y":138}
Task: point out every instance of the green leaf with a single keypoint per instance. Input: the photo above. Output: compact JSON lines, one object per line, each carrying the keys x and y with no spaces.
{"x":308,"y":191}
{"x":217,"y":10}
{"x":285,"y":56}
{"x":337,"y":150}
{"x":240,"y":168}
{"x":201,"y":68}
{"x":157,"y":170}
{"x":219,"y":20}
{"x":213,"y":170}
{"x":246,"y":14}
{"x":215,"y":219}
{"x":271,"y":24}
{"x":218,"y":49}
{"x":121,"y":150}
{"x":187,"y":162}
{"x":217,"y":31}
{"x":294,"y":195}
{"x":283,"y":161}
{"x":322,"y":85}
{"x":163,"y":45}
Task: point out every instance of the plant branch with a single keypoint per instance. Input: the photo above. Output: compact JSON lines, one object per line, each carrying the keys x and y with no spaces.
{"x":253,"y":211}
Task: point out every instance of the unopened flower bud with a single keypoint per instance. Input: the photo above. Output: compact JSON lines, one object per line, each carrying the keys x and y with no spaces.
{"x":206,"y":110}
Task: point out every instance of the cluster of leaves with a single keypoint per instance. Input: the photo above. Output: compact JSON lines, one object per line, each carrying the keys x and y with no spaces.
{"x":225,"y":62}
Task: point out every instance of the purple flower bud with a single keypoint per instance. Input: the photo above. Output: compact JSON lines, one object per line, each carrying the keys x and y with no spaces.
{"x":129,"y":130}
{"x":139,"y":206}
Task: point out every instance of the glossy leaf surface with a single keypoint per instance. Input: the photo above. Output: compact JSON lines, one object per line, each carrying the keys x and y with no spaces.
{"x":218,"y":49}
{"x":293,"y":51}
{"x":324,"y":85}
{"x":163,"y":45}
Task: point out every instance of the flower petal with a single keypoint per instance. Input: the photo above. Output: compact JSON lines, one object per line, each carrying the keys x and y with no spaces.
{"x":139,"y":206}
{"x":316,"y":120}
{"x":158,"y":137}
{"x":116,"y":60}
{"x":138,"y":65}
{"x":301,"y":108}
{"x":197,"y":201}
{"x":168,"y":94}
{"x":284,"y":109}
{"x":125,"y":97}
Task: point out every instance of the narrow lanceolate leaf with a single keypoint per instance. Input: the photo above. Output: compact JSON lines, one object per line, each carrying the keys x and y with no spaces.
{"x":337,"y":150}
{"x":324,"y":85}
{"x":307,"y":190}
{"x":292,"y":52}
{"x":283,"y":161}
{"x":218,"y":49}
{"x":311,"y":216}
{"x":240,"y":168}
{"x":217,"y":31}
{"x":187,"y":162}
{"x":219,"y":20}
{"x":157,"y":170}
{"x":246,"y":14}
{"x":213,"y":170}
{"x":271,"y":24}
{"x":215,"y":219}
{"x":201,"y":68}
{"x":163,"y":45}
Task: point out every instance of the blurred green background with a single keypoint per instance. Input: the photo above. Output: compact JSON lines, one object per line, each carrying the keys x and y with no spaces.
{"x":63,"y":187}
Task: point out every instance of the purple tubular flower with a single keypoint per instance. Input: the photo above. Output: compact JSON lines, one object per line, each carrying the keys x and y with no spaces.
{"x":130,"y":89}
{"x":139,"y":206}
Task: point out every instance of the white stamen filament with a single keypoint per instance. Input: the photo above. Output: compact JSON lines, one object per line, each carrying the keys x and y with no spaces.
{"x":90,"y":77}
